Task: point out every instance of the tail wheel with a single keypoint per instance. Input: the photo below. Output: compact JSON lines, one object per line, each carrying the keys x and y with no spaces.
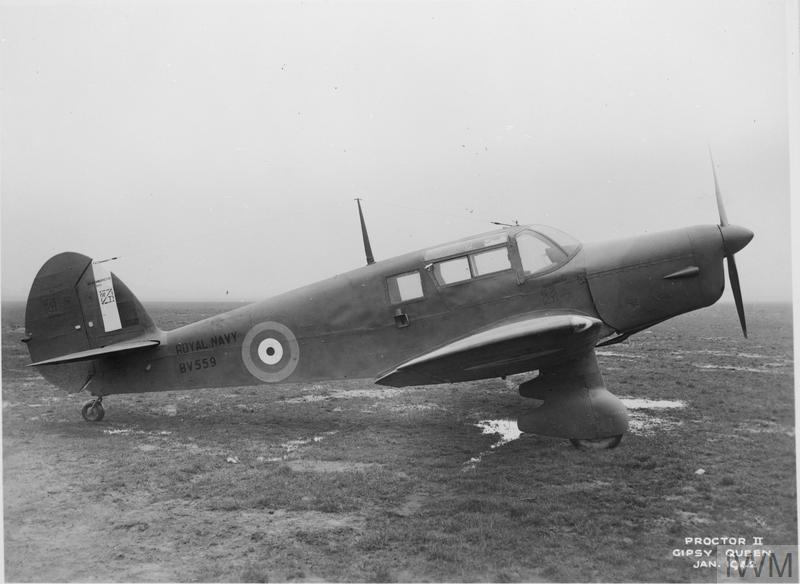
{"x":596,"y":443}
{"x":93,"y":411}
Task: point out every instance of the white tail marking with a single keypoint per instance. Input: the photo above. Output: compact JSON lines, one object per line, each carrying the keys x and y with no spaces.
{"x":106,"y":297}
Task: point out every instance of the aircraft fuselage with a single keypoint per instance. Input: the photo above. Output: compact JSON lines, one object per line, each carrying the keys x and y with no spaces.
{"x":363,"y":323}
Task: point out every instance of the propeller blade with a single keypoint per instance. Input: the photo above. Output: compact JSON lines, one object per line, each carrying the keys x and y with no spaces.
{"x":733,"y":275}
{"x":734,"y":238}
{"x":723,"y":217}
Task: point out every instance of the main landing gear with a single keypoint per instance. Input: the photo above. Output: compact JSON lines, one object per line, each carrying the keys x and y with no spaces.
{"x":596,"y":443}
{"x":576,"y":405}
{"x":93,"y":411}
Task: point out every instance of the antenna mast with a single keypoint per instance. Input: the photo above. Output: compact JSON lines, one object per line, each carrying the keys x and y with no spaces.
{"x":365,"y":235}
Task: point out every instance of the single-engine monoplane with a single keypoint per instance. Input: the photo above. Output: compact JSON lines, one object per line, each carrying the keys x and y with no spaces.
{"x":514,"y":300}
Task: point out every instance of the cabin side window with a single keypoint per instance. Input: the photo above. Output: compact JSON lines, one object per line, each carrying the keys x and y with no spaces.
{"x":471,"y":266}
{"x":452,"y":271}
{"x":537,"y":255}
{"x":489,"y":262}
{"x":404,"y":287}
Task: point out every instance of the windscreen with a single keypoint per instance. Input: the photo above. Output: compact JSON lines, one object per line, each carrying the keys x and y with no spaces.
{"x":542,"y":249}
{"x":566,"y":242}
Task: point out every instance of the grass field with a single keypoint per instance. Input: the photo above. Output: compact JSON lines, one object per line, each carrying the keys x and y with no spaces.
{"x":351,"y":481}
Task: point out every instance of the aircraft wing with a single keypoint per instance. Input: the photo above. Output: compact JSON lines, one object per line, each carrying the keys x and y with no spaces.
{"x":523,"y":344}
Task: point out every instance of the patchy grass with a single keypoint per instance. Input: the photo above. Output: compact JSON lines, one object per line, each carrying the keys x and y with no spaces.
{"x":273,"y":484}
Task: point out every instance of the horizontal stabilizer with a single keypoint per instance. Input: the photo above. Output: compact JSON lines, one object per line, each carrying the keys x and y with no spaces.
{"x":521,"y":345}
{"x":98,"y":353}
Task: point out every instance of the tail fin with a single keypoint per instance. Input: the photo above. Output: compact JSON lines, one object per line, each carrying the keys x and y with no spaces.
{"x":76,"y":307}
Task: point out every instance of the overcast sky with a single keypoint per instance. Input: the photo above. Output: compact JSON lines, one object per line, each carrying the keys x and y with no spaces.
{"x":219,"y":147}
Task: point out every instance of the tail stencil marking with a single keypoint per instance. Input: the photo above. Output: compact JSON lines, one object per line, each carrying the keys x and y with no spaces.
{"x":105,"y":295}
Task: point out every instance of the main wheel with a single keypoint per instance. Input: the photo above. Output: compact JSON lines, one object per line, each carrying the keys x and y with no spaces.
{"x":93,"y":411}
{"x":596,"y":443}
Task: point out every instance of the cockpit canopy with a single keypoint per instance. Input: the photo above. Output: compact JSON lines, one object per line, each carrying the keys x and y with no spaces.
{"x":539,"y":248}
{"x":529,"y":251}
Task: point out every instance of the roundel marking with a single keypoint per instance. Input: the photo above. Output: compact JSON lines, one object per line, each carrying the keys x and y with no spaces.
{"x":270,"y":351}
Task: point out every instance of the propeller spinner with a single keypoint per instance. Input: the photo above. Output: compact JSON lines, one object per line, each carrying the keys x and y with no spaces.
{"x":734,"y":238}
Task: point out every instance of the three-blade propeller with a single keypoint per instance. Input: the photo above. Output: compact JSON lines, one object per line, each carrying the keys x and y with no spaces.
{"x":734,"y":238}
